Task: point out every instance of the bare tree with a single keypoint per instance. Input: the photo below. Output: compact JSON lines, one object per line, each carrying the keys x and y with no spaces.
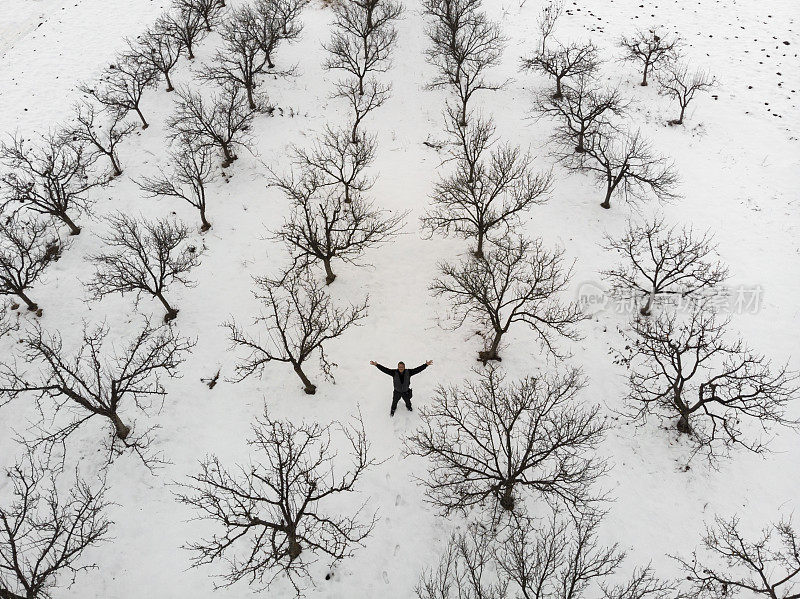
{"x":331,"y":218}
{"x":45,"y":529}
{"x":288,"y":13}
{"x":191,"y":171}
{"x":209,"y":11}
{"x":626,"y":164}
{"x":489,"y":441}
{"x":374,"y":96}
{"x":548,"y":17}
{"x":363,"y":37}
{"x":465,"y":44}
{"x":273,"y":511}
{"x":103,"y":137}
{"x":676,"y":81}
{"x":143,"y":256}
{"x":660,"y":260}
{"x":123,"y":84}
{"x":489,"y":189}
{"x":583,"y":109}
{"x":561,"y":559}
{"x":251,"y":35}
{"x":688,"y":368}
{"x":242,"y":60}
{"x":159,"y":47}
{"x":465,"y":569}
{"x":279,"y":20}
{"x":334,"y":164}
{"x":322,"y":227}
{"x":565,"y":62}
{"x":222,"y":123}
{"x":300,"y":319}
{"x":27,"y":247}
{"x":188,"y":26}
{"x":767,"y":566}
{"x":95,"y":380}
{"x":517,"y":281}
{"x":565,"y":559}
{"x":653,"y":49}
{"x":50,"y":179}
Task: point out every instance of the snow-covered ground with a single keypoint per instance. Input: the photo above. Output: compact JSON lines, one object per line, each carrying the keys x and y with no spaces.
{"x":738,"y":156}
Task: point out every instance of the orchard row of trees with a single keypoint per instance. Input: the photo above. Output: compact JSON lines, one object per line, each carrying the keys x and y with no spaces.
{"x":332,"y":217}
{"x":48,"y":179}
{"x":685,"y":366}
{"x":491,"y":185}
{"x":591,"y":135}
{"x":48,"y":522}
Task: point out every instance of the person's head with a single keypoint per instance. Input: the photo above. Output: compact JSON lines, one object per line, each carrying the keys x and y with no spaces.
{"x":401,"y":366}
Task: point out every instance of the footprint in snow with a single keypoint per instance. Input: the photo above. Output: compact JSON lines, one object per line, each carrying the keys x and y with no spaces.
{"x":385,"y":577}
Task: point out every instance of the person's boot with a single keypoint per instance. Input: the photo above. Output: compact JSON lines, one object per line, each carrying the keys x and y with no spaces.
{"x":391,"y":412}
{"x":409,"y":408}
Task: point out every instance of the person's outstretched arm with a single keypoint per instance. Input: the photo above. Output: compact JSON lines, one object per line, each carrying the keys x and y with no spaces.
{"x":382,"y":368}
{"x":413,"y":371}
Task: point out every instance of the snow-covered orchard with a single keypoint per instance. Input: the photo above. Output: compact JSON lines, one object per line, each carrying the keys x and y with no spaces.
{"x":580,"y":216}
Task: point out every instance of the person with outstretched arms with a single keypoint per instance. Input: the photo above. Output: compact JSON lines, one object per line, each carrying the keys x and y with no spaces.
{"x":401,"y":377}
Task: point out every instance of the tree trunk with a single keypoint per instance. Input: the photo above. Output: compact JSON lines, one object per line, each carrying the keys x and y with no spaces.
{"x":491,"y":353}
{"x":228,"y":156}
{"x":479,"y":249}
{"x":558,"y":93}
{"x":645,"y":310}
{"x":644,"y":75}
{"x":171,"y":312}
{"x":169,"y":83}
{"x":294,"y":548}
{"x":189,"y":51}
{"x":205,"y":224}
{"x":141,"y":116}
{"x":73,"y":228}
{"x":115,"y":164}
{"x":120,"y":428}
{"x":310,"y":388}
{"x":580,"y":148}
{"x":680,"y":118}
{"x":683,"y":424}
{"x":250,"y":99}
{"x":607,"y":202}
{"x":329,"y":276}
{"x":507,"y":498}
{"x":31,"y":304}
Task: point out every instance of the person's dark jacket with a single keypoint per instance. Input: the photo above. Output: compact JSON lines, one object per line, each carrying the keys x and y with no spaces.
{"x":402,"y":380}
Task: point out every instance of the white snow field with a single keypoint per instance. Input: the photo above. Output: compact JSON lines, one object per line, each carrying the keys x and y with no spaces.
{"x":738,"y":157}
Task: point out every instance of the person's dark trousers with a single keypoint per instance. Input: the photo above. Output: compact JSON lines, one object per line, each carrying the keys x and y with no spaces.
{"x":406,"y":395}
